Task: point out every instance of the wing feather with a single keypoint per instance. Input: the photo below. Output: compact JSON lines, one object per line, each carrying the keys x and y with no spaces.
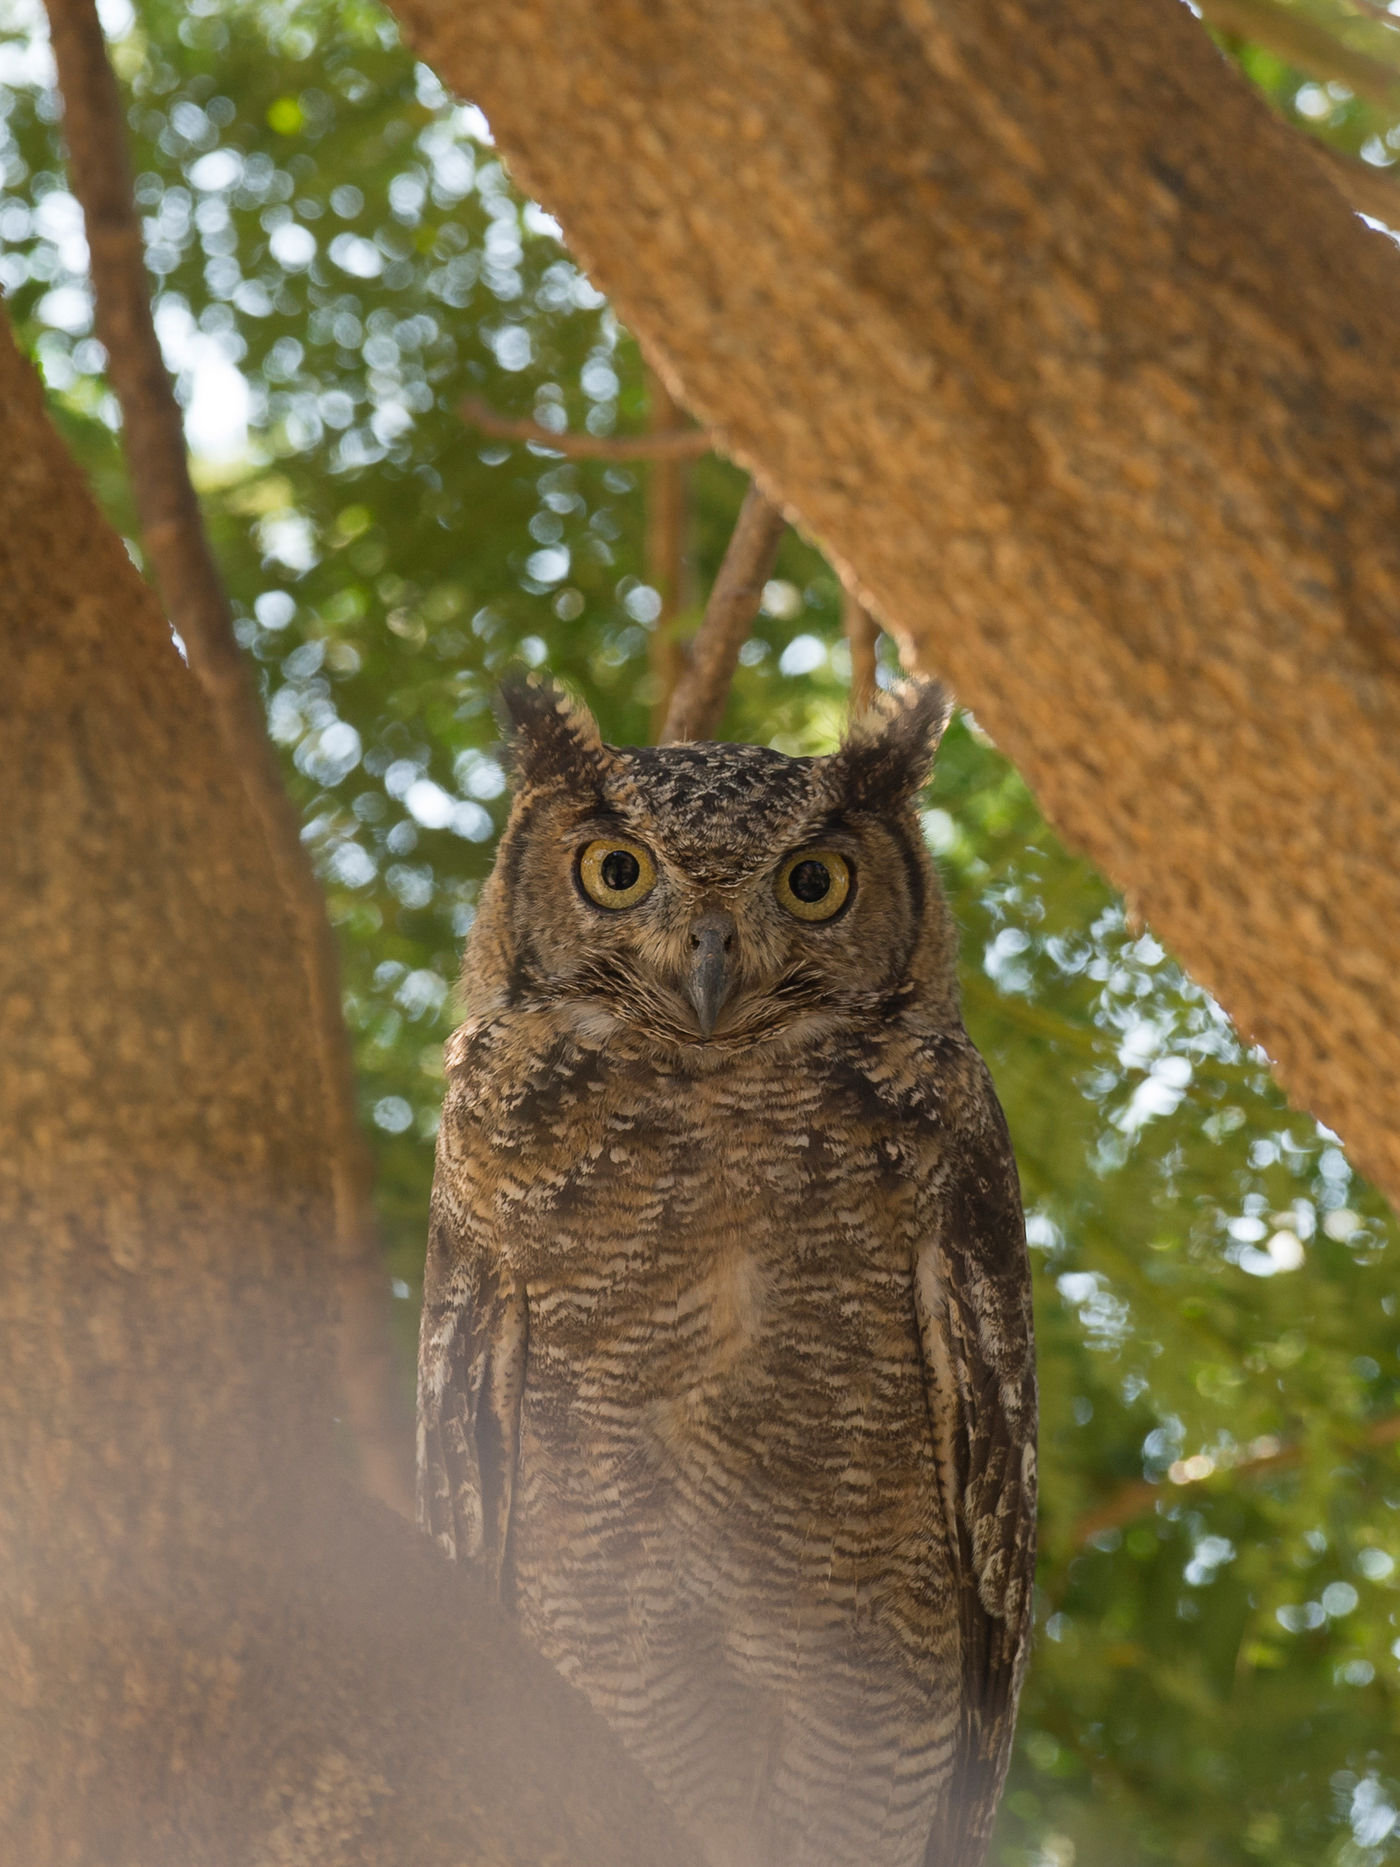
{"x":471,"y":1374}
{"x":972,"y":1297}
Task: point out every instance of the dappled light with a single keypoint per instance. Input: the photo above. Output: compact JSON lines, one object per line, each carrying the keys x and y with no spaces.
{"x":340,"y":261}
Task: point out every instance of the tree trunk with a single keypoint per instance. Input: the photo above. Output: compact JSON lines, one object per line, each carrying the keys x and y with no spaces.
{"x":1081,"y":371}
{"x":212,"y":1648}
{"x":178,"y":551}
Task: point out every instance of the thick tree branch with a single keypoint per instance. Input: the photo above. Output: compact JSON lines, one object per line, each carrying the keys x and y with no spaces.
{"x":1142,"y":1496}
{"x":662,"y":444}
{"x":697,"y":706}
{"x":177,"y":548}
{"x":1366,"y":189}
{"x":1067,"y":354}
{"x":217,"y":1650}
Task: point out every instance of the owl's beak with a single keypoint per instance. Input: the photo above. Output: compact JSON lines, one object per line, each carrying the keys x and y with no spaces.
{"x":711,"y":977}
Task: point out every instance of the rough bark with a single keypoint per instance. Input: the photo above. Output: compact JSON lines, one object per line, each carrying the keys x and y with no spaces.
{"x":213,"y":1648}
{"x":1081,"y":371}
{"x":177,"y":548}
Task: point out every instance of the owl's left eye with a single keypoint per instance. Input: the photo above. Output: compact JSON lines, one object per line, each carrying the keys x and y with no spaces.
{"x":615,"y":872}
{"x":814,"y":884}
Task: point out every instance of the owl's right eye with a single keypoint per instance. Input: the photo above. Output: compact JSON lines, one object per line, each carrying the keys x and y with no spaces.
{"x":615,"y":872}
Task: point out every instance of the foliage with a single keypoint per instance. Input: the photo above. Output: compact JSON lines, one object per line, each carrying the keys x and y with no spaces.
{"x":1217,"y":1679}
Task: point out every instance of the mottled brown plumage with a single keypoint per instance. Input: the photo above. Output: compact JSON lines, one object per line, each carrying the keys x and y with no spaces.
{"x":726,"y":1369}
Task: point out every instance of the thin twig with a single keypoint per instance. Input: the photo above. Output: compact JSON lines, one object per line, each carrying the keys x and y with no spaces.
{"x":667,"y":523}
{"x":697,"y":706}
{"x":1142,"y":1495}
{"x":862,"y":636}
{"x":182,"y":563}
{"x":665,"y":444}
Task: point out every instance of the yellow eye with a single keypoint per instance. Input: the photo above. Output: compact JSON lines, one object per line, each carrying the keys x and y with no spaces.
{"x":616,"y":873}
{"x":814,"y":884}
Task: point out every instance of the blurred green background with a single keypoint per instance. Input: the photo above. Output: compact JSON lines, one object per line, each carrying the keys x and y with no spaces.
{"x":338,"y":258}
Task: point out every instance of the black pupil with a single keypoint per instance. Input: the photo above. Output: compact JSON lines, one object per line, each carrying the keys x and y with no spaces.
{"x":809,"y":881}
{"x":620,"y":870}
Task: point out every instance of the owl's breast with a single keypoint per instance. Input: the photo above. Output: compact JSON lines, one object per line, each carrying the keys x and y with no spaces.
{"x":725,"y":1523}
{"x":721,"y":1318}
{"x":700,"y":1228}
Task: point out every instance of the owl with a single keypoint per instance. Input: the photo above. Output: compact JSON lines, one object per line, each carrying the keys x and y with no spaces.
{"x":726,"y":1377}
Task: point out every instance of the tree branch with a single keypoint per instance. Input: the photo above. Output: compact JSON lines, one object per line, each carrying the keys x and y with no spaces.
{"x":1143,"y":1495}
{"x":661,"y":444}
{"x":1365,"y":189}
{"x":1310,"y":47}
{"x":177,"y":548}
{"x":1190,"y":652}
{"x":667,"y":525}
{"x":697,"y":706}
{"x":217,"y":1649}
{"x":862,"y":635}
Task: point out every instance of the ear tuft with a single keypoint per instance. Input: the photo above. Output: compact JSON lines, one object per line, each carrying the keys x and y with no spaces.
{"x":549,"y":736}
{"x":888,"y":753}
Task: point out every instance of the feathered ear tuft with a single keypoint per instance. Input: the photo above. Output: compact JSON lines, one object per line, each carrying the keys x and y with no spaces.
{"x":889,"y":751}
{"x":548,"y":735}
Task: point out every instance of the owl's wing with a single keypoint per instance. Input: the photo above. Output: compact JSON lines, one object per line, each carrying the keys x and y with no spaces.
{"x":471,"y":1371}
{"x":972,"y":1294}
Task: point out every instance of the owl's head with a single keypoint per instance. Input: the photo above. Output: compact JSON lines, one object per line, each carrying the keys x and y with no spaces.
{"x":712,"y":896}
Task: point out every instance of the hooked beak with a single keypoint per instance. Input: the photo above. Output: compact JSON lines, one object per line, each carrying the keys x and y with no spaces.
{"x":710,"y":979}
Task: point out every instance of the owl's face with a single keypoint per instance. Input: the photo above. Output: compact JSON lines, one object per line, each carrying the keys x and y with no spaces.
{"x":711,"y":895}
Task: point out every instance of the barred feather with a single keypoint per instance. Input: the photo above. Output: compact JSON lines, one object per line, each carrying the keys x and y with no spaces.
{"x":726,"y":1371}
